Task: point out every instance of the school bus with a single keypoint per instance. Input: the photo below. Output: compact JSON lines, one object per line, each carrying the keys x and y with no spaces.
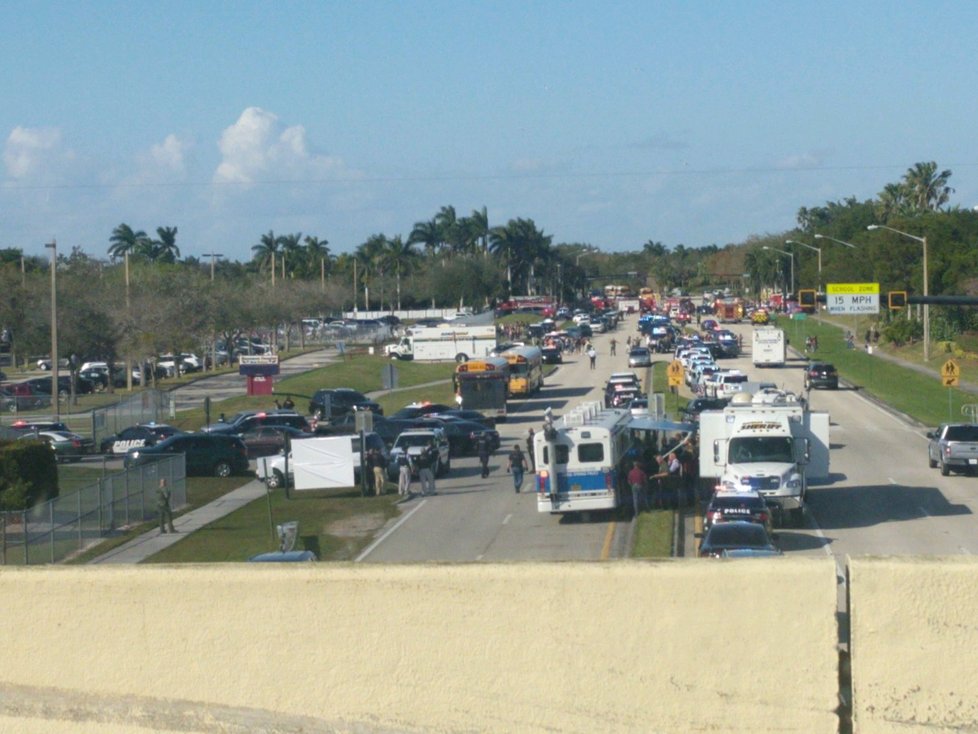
{"x":483,"y":385}
{"x":525,"y":370}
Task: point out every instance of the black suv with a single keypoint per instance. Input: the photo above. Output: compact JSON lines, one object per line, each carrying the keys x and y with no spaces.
{"x":821,"y":374}
{"x":342,"y":400}
{"x":206,"y":454}
{"x":249,"y":420}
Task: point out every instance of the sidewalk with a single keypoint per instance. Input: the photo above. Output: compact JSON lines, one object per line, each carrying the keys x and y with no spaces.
{"x":142,"y":547}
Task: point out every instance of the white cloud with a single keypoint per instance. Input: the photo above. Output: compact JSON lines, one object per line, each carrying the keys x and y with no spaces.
{"x":259,"y":147}
{"x":29,"y":151}
{"x":169,"y":155}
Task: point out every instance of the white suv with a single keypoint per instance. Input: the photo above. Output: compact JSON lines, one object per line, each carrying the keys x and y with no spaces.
{"x":414,"y":441}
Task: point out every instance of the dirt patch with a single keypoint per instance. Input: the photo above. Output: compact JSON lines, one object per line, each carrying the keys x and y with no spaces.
{"x":356,"y":526}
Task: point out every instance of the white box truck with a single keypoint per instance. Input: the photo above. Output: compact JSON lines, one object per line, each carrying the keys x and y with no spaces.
{"x":442,"y":343}
{"x":775,"y":447}
{"x":768,"y":348}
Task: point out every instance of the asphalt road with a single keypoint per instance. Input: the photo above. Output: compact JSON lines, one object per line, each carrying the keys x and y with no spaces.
{"x":475,"y":519}
{"x":881,"y":497}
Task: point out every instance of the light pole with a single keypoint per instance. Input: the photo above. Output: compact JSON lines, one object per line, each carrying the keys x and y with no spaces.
{"x":213,"y":256}
{"x":923,"y":241}
{"x":818,"y":250}
{"x":55,"y":391}
{"x":791,"y":286}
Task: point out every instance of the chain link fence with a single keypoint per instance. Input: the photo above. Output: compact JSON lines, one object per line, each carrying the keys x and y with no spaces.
{"x":57,"y":529}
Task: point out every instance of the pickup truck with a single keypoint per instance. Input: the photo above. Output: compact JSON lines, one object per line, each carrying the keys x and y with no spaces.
{"x":953,"y":447}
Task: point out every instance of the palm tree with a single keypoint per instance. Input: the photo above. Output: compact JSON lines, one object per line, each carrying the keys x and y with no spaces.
{"x":291,"y":250}
{"x":476,"y":231}
{"x":165,"y":248}
{"x":125,"y":241}
{"x":266,"y":250}
{"x":927,"y":189}
{"x":428,"y":235}
{"x":520,"y":244}
{"x":399,"y":256}
{"x":450,"y":230}
{"x":316,"y":254}
{"x":370,"y":257}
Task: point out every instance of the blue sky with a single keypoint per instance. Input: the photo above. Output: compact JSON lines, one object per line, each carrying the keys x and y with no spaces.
{"x":606,"y":123}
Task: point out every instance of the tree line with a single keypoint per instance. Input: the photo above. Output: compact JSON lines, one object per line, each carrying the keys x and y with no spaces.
{"x":450,"y":261}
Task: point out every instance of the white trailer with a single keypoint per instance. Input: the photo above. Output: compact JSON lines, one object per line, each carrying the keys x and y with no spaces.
{"x":768,"y":348}
{"x":443,"y":343}
{"x":773,"y":447}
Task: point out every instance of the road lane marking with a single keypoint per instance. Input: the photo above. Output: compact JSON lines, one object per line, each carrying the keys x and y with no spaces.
{"x":370,"y":548}
{"x":507,"y":519}
{"x":609,"y":536}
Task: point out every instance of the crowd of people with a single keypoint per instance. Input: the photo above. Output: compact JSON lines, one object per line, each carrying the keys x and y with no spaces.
{"x":661,"y":480}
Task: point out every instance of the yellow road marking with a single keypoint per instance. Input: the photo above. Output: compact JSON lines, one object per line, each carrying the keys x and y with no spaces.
{"x":609,"y":536}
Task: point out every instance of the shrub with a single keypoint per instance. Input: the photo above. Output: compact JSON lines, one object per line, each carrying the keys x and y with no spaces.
{"x":28,"y":474}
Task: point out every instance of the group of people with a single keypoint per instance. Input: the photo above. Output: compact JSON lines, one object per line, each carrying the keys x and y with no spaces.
{"x":424,"y":463}
{"x":661,"y":480}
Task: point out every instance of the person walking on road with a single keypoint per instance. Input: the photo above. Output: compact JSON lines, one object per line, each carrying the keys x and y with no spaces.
{"x":531,"y":459}
{"x":614,"y":344}
{"x":592,"y":354}
{"x":517,"y":465}
{"x":426,"y":469}
{"x":163,"y":507}
{"x":404,"y":474}
{"x":485,"y":450}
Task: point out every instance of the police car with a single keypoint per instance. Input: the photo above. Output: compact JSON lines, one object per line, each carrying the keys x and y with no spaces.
{"x":726,"y":506}
{"x":136,"y":437}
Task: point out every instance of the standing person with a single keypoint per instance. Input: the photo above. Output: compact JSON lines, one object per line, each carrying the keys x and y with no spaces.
{"x":592,"y":354}
{"x":637,"y":479}
{"x":614,"y":343}
{"x":531,"y":460}
{"x":288,"y":404}
{"x":485,"y":449}
{"x":517,"y":465}
{"x":426,"y":469}
{"x":163,"y":507}
{"x":404,"y":470}
{"x":375,"y":461}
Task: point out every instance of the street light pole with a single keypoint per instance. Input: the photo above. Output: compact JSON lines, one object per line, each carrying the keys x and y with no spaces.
{"x":791,"y":255}
{"x":923,"y":241}
{"x":213,"y":256}
{"x":818,"y":250}
{"x":53,"y":245}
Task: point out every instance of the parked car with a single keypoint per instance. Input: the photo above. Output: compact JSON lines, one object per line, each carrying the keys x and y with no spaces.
{"x":821,"y":374}
{"x":737,"y":535}
{"x":42,"y":385}
{"x":419,"y":410}
{"x":206,"y":454}
{"x":18,"y":397}
{"x":67,"y":446}
{"x":413,"y":441}
{"x":341,"y":400}
{"x":747,"y":505}
{"x":271,"y":440}
{"x":691,"y":411}
{"x":248,"y":420}
{"x":134,"y":437}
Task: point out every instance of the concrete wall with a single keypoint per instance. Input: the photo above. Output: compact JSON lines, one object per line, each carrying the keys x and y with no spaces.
{"x":671,"y":646}
{"x":914,"y":633}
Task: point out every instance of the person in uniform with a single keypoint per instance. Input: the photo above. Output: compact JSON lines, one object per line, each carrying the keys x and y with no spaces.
{"x":163,"y":507}
{"x":531,"y":462}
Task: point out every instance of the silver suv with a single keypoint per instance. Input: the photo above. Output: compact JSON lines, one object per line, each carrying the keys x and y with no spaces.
{"x":414,"y":441}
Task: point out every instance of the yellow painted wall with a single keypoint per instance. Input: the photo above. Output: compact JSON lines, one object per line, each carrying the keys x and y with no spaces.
{"x":673,"y":646}
{"x":914,"y":637}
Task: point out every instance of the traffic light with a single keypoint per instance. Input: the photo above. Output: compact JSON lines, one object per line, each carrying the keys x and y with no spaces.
{"x":896,"y":300}
{"x":806,"y":298}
